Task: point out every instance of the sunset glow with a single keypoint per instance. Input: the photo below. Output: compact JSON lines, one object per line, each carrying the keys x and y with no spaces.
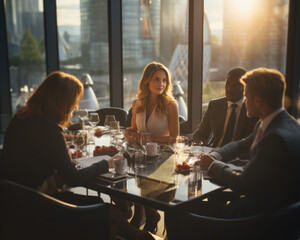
{"x":244,"y":7}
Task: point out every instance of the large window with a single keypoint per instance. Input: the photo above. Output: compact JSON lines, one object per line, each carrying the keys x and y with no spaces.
{"x":83,"y":46}
{"x":246,"y":33}
{"x":25,"y":38}
{"x":154,"y":31}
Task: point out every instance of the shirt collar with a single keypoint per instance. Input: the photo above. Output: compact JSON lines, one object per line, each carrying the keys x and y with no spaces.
{"x":239,"y":103}
{"x":265,"y":123}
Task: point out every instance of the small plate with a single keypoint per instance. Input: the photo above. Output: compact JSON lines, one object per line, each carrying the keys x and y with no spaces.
{"x":153,"y":157}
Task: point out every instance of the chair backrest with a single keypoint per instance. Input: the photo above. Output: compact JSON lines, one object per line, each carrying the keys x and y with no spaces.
{"x":129,"y":117}
{"x":181,"y":119}
{"x":283,"y":224}
{"x":28,"y":214}
{"x":120,"y":114}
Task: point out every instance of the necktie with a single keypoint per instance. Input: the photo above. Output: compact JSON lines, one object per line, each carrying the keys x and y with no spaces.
{"x":230,"y":126}
{"x":257,"y":137}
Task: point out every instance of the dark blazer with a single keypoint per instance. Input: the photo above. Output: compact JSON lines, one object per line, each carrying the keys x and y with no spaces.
{"x":35,"y":148}
{"x":271,"y":177}
{"x":211,"y":127}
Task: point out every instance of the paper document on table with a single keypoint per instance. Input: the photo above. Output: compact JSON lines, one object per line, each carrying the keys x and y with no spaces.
{"x":86,"y":162}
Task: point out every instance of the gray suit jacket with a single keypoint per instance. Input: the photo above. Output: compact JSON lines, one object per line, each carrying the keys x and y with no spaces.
{"x":211,"y":127}
{"x":271,"y":178}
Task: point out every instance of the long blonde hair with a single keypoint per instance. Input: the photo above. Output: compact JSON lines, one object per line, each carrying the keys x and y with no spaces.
{"x":143,"y":91}
{"x":56,"y":98}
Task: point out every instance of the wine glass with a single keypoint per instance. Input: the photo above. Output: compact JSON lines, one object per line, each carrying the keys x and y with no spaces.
{"x":119,"y":139}
{"x":83,"y":115}
{"x":108,"y":119}
{"x":113,"y":127}
{"x":196,"y":148}
{"x":94,"y":119}
{"x":181,"y":143}
{"x":79,"y":141}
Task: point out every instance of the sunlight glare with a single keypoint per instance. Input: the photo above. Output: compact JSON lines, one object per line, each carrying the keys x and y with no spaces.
{"x":244,"y":7}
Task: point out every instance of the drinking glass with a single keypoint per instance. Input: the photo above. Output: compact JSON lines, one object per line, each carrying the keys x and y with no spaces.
{"x":139,"y":159}
{"x":108,"y":119}
{"x":94,"y":119}
{"x":196,"y":148}
{"x":146,"y":137}
{"x":172,"y":143}
{"x":113,"y":128}
{"x":83,"y":115}
{"x":79,"y":142}
{"x":119,"y":139}
{"x":181,"y":143}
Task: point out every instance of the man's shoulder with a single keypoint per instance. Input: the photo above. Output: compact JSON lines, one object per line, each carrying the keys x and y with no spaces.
{"x":222,"y":99}
{"x":217,"y":101}
{"x":284,"y":126}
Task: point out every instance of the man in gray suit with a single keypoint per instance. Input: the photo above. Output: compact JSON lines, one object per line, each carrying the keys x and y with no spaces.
{"x":225,"y":119}
{"x":270,"y":179}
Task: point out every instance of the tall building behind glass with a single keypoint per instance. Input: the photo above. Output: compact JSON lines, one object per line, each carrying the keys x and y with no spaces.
{"x":150,"y":29}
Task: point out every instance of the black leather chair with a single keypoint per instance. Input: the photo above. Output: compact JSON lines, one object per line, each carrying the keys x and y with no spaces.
{"x":120,"y":115}
{"x":181,"y":119}
{"x":28,"y":214}
{"x":129,"y":117}
{"x":283,"y":224}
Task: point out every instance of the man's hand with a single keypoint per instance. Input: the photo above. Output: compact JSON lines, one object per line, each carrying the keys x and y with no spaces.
{"x":110,"y":161}
{"x":205,"y":161}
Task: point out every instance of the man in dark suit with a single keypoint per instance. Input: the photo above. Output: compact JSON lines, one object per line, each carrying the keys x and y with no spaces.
{"x":269,"y":180}
{"x":225,"y":119}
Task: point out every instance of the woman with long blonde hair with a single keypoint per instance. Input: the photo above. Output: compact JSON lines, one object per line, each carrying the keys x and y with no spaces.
{"x":155,"y":111}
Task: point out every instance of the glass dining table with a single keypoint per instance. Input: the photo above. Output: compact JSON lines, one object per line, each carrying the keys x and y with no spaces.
{"x":157,"y":185}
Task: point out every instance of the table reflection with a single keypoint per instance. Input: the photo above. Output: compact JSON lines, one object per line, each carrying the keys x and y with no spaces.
{"x":156,"y":183}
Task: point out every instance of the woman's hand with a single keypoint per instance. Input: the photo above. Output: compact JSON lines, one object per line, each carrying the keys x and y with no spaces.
{"x":131,"y":132}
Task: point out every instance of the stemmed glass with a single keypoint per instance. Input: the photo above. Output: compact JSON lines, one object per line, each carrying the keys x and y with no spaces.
{"x":108,"y":120}
{"x":119,"y":139}
{"x":196,"y":148}
{"x":83,"y":115}
{"x":181,"y":143}
{"x":79,"y":141}
{"x":113,"y":128}
{"x":94,"y":119}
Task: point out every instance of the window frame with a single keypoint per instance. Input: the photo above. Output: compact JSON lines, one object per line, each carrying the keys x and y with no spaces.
{"x":195,"y":58}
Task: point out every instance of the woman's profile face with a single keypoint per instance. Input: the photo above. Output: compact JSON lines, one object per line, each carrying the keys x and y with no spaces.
{"x":158,"y":82}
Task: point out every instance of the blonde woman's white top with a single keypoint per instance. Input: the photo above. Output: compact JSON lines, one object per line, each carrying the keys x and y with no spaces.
{"x":157,"y":125}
